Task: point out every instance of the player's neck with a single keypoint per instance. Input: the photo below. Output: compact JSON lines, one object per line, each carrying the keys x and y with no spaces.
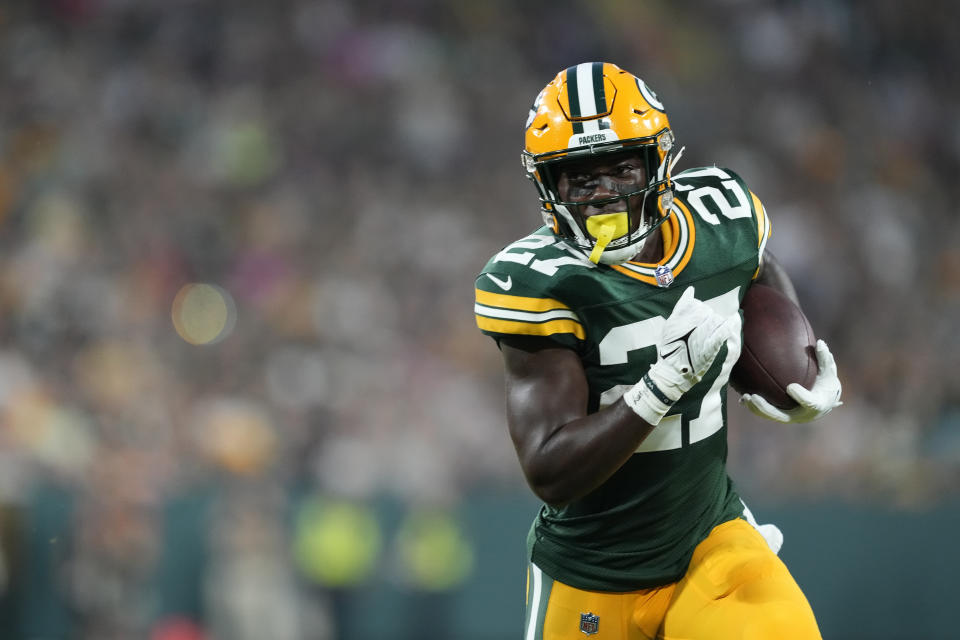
{"x":652,"y":250}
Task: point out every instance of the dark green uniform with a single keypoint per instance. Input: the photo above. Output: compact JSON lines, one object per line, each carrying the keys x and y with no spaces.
{"x":640,"y":527}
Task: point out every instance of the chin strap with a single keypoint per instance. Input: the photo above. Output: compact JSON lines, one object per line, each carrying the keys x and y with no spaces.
{"x":673,"y":162}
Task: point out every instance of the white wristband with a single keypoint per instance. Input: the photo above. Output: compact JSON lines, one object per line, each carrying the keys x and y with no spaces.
{"x":647,"y":400}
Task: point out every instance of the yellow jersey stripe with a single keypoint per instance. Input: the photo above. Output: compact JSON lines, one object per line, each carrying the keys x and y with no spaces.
{"x":669,"y":254}
{"x":763,"y":229}
{"x":671,"y":234}
{"x":520,"y":303}
{"x":531,"y":329}
{"x":690,"y":241}
{"x":763,"y":223}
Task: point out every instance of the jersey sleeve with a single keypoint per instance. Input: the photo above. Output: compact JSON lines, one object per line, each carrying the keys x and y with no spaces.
{"x":764,"y":229}
{"x":739,"y":207}
{"x":501,"y":314}
{"x":519,"y":293}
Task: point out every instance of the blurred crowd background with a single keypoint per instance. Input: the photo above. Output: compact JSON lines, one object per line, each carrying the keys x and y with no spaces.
{"x":240,"y":379}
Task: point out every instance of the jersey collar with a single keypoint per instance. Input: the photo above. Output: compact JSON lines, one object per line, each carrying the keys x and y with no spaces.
{"x":677,"y":248}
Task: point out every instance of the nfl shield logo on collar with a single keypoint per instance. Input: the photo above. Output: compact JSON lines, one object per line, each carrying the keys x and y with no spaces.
{"x":664,"y":275}
{"x":589,"y":623}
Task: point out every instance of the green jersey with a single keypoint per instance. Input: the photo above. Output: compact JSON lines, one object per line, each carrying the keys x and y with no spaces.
{"x":639,"y":528}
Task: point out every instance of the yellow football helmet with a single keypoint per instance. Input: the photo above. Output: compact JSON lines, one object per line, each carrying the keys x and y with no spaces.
{"x":598,"y":108}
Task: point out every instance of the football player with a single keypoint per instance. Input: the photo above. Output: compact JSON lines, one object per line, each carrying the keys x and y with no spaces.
{"x":618,"y":323}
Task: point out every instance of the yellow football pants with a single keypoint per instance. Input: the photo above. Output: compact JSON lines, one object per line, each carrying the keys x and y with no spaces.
{"x":735,"y":588}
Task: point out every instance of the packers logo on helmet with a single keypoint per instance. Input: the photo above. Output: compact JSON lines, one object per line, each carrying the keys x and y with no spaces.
{"x":587,"y":110}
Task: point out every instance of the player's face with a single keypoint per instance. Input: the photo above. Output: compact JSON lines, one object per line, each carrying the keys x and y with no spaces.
{"x":602,"y":178}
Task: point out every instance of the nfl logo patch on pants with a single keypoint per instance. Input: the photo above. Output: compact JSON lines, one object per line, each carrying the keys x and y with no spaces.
{"x":589,"y":623}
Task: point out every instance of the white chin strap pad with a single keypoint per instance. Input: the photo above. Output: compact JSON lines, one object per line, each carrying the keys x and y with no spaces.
{"x":621,"y":255}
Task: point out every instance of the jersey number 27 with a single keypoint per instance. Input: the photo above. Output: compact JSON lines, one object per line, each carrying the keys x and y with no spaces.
{"x":621,"y":340}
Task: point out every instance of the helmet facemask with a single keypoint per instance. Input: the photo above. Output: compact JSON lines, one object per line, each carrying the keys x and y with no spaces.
{"x":617,"y":236}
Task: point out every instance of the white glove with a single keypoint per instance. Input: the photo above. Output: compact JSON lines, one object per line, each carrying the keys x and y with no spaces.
{"x":821,"y":399}
{"x":691,"y":339}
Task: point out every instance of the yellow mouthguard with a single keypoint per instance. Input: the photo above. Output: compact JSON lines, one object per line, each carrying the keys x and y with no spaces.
{"x":606,"y":227}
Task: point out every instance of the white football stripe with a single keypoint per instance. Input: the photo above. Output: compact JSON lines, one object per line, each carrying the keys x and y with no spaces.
{"x":765,"y":233}
{"x":587,"y":97}
{"x":678,"y":254}
{"x":588,"y":105}
{"x":525,"y":316}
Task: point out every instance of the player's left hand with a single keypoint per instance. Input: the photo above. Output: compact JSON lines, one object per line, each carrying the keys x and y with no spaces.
{"x":823,"y":398}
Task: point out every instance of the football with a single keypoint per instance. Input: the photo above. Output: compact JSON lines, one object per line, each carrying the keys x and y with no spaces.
{"x":778,"y":347}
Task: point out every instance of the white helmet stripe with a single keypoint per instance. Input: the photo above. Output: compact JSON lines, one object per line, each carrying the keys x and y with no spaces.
{"x":592,"y":101}
{"x":587,"y":92}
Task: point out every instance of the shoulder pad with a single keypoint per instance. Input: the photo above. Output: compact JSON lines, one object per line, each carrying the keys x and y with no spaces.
{"x":536,"y":263}
{"x":518,"y":291}
{"x":718,"y":196}
{"x":698,"y":176}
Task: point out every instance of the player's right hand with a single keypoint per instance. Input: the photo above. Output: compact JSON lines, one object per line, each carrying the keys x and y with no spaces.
{"x":691,"y":339}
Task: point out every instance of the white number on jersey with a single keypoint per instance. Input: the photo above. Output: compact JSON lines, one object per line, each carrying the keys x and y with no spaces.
{"x":619,"y":341}
{"x":549,"y":267}
{"x":698,"y":195}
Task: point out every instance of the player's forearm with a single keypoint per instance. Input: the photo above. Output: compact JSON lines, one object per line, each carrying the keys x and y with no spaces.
{"x":577,"y":457}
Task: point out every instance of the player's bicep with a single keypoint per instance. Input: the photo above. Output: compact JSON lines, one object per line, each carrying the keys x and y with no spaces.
{"x":546,"y":388}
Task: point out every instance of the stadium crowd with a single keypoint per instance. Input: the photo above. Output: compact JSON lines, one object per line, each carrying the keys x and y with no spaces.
{"x":239,"y":241}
